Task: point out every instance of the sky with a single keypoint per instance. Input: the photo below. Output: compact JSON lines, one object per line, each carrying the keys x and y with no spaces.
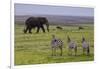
{"x":32,"y":9}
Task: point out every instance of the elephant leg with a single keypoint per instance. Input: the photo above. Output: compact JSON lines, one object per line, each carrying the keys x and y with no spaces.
{"x":30,"y":30}
{"x":25,"y":30}
{"x":38,"y":28}
{"x":42,"y":27}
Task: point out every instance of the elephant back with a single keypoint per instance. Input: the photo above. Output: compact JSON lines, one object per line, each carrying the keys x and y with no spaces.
{"x":42,"y":20}
{"x":31,"y":21}
{"x":36,"y":21}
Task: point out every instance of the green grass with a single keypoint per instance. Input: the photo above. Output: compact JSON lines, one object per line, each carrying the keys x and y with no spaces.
{"x":35,"y":48}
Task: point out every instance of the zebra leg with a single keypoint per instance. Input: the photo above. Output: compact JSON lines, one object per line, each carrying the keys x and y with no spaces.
{"x":61,"y":51}
{"x":68,"y":51}
{"x":75,"y":50}
{"x":83,"y":51}
{"x":71,"y":52}
{"x":88,"y":51}
{"x":52,"y":52}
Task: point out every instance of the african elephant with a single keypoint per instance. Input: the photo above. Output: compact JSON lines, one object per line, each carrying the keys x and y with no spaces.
{"x":36,"y":22}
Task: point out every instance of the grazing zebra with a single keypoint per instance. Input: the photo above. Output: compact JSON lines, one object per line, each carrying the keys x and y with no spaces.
{"x":71,"y":46}
{"x":56,"y":43}
{"x":85,"y":46}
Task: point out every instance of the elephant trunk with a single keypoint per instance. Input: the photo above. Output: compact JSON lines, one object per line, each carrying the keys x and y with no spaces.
{"x":47,"y":27}
{"x":24,"y":30}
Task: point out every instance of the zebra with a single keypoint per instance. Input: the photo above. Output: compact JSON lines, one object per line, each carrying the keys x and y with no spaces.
{"x":71,"y":46}
{"x":85,"y":46}
{"x":55,"y":44}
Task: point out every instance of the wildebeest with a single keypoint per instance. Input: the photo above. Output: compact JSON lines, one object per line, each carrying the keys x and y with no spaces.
{"x":36,"y":22}
{"x":80,"y":28}
{"x":58,"y":27}
{"x":71,"y":46}
{"x":56,"y":43}
{"x":85,"y":46}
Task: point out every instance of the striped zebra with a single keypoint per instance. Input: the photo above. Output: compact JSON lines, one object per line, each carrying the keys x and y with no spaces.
{"x":85,"y":46}
{"x":55,"y":44}
{"x":71,"y":46}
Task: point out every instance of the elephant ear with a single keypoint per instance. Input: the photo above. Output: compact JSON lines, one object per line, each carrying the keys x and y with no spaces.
{"x":44,"y":20}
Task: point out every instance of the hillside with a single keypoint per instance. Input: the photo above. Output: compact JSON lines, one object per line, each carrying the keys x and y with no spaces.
{"x":56,"y":19}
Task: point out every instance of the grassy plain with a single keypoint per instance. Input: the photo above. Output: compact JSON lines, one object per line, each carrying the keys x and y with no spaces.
{"x":35,"y":48}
